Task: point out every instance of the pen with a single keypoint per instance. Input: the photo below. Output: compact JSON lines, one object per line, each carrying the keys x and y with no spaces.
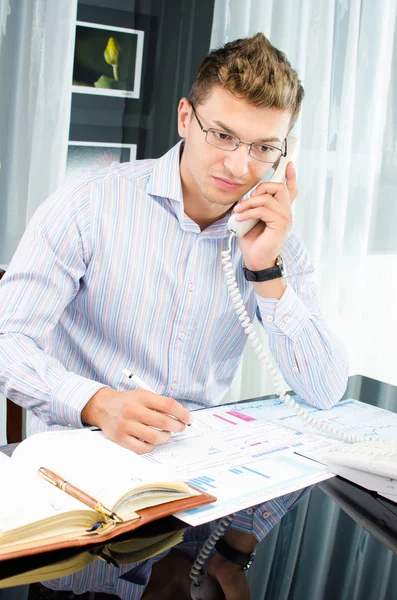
{"x":135,"y":379}
{"x":70,"y":489}
{"x":141,"y":384}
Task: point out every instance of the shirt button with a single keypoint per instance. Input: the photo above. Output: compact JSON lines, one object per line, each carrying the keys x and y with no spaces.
{"x":266,"y":514}
{"x":191,"y":287}
{"x":296,"y":369}
{"x":269,"y":318}
{"x":286,"y":318}
{"x":180,"y":336}
{"x":173,"y":386}
{"x":250,"y":511}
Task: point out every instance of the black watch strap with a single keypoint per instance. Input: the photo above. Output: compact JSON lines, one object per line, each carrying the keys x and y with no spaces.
{"x":267,"y":274}
{"x":243,"y":559}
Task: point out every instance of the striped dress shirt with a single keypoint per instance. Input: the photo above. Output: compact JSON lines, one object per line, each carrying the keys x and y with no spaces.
{"x":112,"y":274}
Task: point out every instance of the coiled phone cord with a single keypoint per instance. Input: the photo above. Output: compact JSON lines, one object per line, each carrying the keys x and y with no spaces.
{"x":196,"y":569}
{"x":259,"y":350}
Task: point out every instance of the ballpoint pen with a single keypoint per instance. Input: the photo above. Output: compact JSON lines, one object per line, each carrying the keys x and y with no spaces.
{"x":141,"y":384}
{"x":70,"y":489}
{"x":135,"y":379}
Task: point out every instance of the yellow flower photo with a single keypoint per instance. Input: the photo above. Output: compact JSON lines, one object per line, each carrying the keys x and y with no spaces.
{"x":107,"y":60}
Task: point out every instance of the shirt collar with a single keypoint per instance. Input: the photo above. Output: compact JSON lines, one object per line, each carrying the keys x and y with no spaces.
{"x":165,"y":182}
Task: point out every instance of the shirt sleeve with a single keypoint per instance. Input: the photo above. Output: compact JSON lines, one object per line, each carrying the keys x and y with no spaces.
{"x":43,"y":277}
{"x":260,"y":520}
{"x":311,"y":359}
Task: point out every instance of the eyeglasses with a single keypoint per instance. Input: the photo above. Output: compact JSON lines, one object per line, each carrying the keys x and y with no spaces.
{"x":229,"y":142}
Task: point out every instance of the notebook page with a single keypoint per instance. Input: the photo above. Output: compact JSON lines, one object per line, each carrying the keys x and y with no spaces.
{"x":90,"y":462}
{"x":24,"y":498}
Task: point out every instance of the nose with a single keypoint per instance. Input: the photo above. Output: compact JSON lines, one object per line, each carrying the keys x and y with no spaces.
{"x":237,"y":161}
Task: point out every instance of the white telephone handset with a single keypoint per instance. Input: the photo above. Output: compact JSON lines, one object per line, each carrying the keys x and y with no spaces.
{"x":240,"y":228}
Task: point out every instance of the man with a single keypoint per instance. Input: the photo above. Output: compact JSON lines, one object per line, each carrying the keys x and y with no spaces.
{"x":121,"y":269}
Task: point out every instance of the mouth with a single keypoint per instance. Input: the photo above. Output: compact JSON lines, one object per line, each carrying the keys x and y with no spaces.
{"x":225,"y":184}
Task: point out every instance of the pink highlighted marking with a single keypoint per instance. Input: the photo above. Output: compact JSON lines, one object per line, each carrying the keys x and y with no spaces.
{"x":223,"y":419}
{"x":239,"y":415}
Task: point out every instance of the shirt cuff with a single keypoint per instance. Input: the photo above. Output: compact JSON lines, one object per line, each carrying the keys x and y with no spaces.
{"x":70,"y":397}
{"x":286,"y":316}
{"x":260,"y":520}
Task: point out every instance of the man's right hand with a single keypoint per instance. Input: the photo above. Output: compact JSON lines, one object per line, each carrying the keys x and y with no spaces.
{"x":137,"y":420}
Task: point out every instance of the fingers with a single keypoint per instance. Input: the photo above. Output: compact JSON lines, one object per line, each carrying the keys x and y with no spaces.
{"x":140,"y":420}
{"x":269,"y":217}
{"x":168,"y":406}
{"x":263,"y":200}
{"x":160,"y":420}
{"x":291,"y":182}
{"x":269,"y":212}
{"x":131,"y":443}
{"x":150,"y":435}
{"x":263,"y":214}
{"x":139,"y":437}
{"x":278,"y":190}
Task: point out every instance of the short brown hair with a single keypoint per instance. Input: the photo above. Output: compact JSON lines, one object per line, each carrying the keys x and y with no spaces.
{"x":252,"y":69}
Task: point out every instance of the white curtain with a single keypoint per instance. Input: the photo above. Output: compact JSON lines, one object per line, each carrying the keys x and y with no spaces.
{"x":345,"y":52}
{"x":36,"y":62}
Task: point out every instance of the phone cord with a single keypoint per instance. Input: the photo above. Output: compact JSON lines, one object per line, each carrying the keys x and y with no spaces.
{"x":196,"y":569}
{"x":259,"y":350}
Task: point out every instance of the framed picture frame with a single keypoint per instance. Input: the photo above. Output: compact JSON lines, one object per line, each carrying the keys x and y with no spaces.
{"x":107,"y":60}
{"x":88,"y":156}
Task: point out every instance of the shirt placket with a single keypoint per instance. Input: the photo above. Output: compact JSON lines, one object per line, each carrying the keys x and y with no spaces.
{"x":184,"y":323}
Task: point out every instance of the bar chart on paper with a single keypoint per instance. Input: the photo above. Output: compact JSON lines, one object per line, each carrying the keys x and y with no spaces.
{"x":240,"y":459}
{"x":251,"y":483}
{"x":264,"y":446}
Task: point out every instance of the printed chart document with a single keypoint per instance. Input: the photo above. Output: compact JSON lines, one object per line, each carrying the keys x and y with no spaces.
{"x":242,"y":454}
{"x":247,"y":453}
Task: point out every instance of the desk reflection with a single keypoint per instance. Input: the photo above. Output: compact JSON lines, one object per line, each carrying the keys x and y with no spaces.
{"x":142,"y":564}
{"x":318,"y":551}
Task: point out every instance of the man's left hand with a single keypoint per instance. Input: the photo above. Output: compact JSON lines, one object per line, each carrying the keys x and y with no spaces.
{"x":271,"y":203}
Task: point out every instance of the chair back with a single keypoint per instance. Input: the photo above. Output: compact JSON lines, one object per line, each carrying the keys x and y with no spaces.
{"x":14,"y":414}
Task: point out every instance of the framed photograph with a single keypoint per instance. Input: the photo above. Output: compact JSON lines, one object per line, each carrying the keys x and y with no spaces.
{"x":107,"y":60}
{"x":88,"y":156}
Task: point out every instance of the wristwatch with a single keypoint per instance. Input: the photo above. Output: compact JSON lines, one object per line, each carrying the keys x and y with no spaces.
{"x":244,"y":559}
{"x":267,"y":274}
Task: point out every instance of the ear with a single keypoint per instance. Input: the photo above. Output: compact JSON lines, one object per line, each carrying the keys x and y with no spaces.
{"x":184,"y":113}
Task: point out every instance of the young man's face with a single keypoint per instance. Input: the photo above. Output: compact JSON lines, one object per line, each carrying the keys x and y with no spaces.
{"x":215,"y":176}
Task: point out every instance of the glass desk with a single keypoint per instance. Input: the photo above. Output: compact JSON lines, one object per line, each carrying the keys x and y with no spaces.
{"x":319,"y":551}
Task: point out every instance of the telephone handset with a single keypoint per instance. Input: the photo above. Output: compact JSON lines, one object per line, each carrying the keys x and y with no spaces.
{"x":240,"y":228}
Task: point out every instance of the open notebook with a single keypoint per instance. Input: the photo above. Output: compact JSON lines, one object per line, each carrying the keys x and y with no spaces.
{"x":37,"y":516}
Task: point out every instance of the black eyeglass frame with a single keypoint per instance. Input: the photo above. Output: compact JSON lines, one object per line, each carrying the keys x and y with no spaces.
{"x":239,"y":142}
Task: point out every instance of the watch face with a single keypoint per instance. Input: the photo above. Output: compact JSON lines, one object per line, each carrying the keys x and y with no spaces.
{"x":280,"y":263}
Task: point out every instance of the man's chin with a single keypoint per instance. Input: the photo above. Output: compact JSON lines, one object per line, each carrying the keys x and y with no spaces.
{"x":226,"y":203}
{"x":224,"y":198}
